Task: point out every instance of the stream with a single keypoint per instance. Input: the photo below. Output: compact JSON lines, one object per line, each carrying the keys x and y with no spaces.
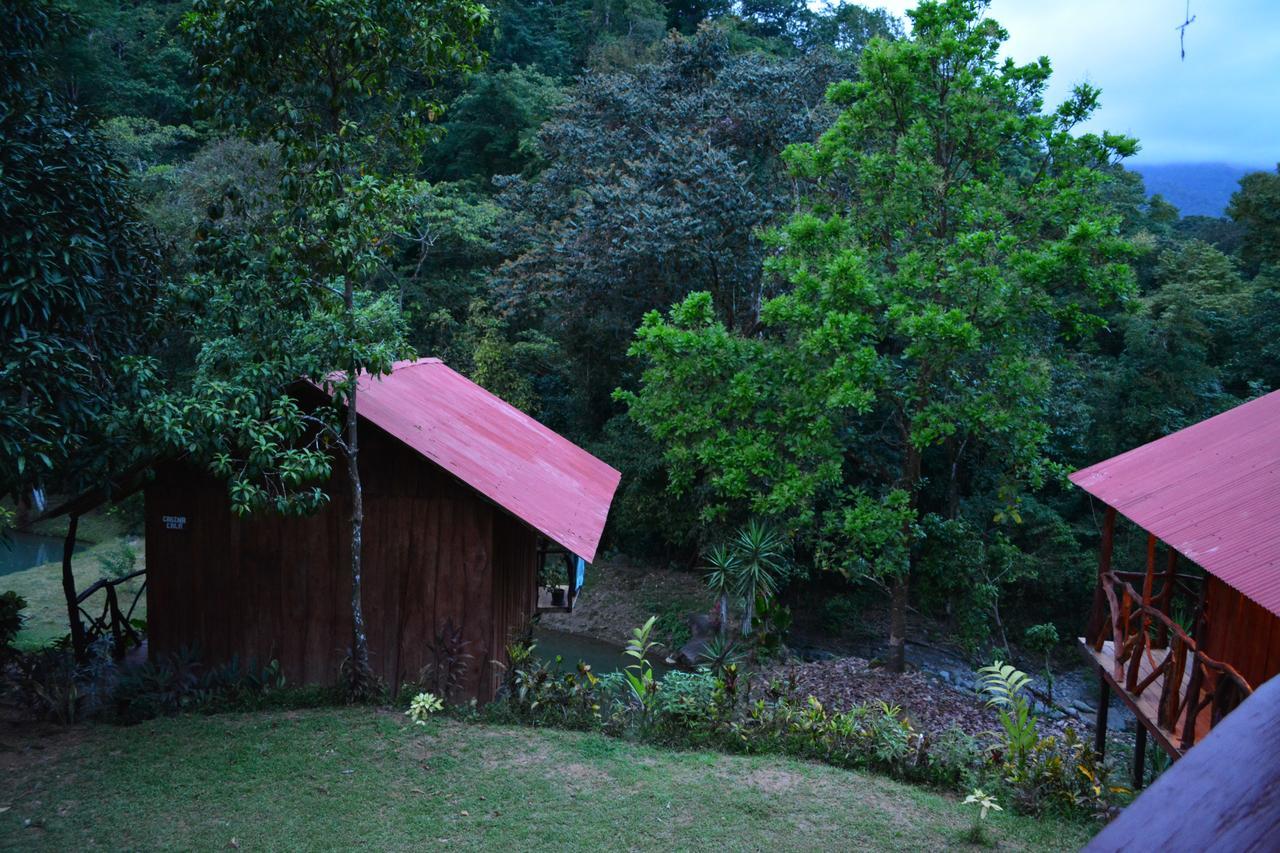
{"x":25,"y":551}
{"x":601,"y":655}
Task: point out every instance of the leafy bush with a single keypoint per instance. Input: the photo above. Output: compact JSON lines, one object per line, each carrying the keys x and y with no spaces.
{"x":715,"y":708}
{"x":450,"y":661}
{"x":53,"y":686}
{"x":179,"y":683}
{"x":11,"y":619}
{"x":1003,"y":685}
{"x":119,"y":561}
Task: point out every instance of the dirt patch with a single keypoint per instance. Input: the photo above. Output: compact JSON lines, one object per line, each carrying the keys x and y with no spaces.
{"x":773,"y":780}
{"x":620,"y":595}
{"x":842,"y":683}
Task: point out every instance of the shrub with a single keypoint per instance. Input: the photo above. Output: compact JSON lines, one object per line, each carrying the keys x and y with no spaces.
{"x":52,"y":686}
{"x":450,"y":661}
{"x":119,"y":561}
{"x":11,"y":619}
{"x":179,"y":682}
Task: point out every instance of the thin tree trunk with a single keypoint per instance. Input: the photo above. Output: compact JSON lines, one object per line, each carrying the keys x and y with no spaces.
{"x":78,"y":644}
{"x":361,"y":673}
{"x":896,"y":660}
{"x":899,"y":598}
{"x":724,"y":615}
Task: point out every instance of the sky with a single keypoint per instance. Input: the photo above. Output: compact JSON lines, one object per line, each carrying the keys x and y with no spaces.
{"x":1221,"y":104}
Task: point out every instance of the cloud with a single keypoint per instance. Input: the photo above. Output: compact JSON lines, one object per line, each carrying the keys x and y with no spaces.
{"x":1222,"y":103}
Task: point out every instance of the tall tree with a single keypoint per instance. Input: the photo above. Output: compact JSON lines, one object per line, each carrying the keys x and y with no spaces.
{"x":953,"y":238}
{"x":657,"y":182}
{"x":1256,"y":206}
{"x":77,"y":277}
{"x":343,"y":90}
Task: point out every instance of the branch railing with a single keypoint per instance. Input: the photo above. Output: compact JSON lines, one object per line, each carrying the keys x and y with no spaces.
{"x":1137,"y":628}
{"x":113,"y":620}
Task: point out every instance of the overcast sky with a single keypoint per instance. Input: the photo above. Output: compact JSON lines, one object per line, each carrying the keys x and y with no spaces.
{"x":1220,"y":104}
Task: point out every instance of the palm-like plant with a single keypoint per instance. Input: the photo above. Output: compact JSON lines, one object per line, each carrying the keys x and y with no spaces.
{"x":761,"y":562}
{"x":722,"y":577}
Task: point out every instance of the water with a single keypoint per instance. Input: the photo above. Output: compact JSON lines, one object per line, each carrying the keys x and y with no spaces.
{"x":603,"y":656}
{"x":24,"y":551}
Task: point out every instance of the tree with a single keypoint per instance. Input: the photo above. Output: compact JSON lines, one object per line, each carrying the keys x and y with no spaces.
{"x":954,"y":237}
{"x":492,"y":127}
{"x":656,"y":184}
{"x":79,"y":281}
{"x":78,"y":274}
{"x":1256,"y":206}
{"x":342,"y":88}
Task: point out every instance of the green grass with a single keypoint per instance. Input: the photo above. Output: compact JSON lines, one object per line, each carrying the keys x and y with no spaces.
{"x":41,"y":586}
{"x":341,"y":778}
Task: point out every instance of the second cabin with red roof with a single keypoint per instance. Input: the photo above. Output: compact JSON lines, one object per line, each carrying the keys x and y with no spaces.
{"x":466,"y":501}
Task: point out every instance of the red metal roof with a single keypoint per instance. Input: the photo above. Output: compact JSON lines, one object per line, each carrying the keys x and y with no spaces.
{"x":534,"y":473}
{"x":1211,"y":492}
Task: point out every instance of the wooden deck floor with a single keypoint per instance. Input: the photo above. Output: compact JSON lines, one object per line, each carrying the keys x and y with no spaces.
{"x":1146,"y":705}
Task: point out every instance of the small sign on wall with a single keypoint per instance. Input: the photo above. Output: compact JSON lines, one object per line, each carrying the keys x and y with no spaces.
{"x":174,"y":522}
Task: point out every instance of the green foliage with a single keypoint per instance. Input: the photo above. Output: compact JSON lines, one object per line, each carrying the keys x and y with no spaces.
{"x":423,"y":706}
{"x":1256,"y":206}
{"x":945,"y":257}
{"x":655,"y":184}
{"x":491,"y":128}
{"x":119,"y":561}
{"x":11,"y":619}
{"x":1003,"y":685}
{"x":78,"y":276}
{"x":180,"y":683}
{"x":639,"y":675}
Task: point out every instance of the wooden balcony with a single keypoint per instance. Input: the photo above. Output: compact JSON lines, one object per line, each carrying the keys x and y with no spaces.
{"x":1177,"y":692}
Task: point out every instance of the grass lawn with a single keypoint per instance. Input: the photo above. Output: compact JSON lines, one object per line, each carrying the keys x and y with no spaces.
{"x":46,"y":614}
{"x":343,"y":778}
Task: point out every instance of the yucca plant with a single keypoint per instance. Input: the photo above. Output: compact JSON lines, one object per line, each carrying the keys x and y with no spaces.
{"x":761,"y":563}
{"x":722,"y":577}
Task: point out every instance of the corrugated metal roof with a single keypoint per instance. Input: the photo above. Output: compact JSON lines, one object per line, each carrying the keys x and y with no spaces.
{"x":1211,"y":492}
{"x":534,"y":473}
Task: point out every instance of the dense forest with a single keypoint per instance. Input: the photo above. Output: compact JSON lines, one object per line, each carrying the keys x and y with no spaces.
{"x":816,"y":269}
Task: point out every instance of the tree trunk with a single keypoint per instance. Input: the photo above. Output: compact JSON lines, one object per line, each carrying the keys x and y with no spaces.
{"x":748,"y":611}
{"x":361,"y":673}
{"x":78,"y":644}
{"x":723,"y":605}
{"x":896,"y":660}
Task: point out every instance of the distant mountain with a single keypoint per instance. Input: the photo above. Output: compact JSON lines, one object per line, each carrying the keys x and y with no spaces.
{"x":1195,"y":188}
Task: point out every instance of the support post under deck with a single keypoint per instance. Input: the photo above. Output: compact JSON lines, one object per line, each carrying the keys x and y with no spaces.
{"x":1140,"y":757}
{"x":1100,"y":721}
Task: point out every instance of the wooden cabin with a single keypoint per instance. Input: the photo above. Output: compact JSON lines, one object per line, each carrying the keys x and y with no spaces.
{"x":1189,"y":634}
{"x":464,"y":496}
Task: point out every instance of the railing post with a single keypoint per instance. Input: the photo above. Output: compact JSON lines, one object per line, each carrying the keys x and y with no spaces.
{"x":1098,"y":617}
{"x":1193,"y":702}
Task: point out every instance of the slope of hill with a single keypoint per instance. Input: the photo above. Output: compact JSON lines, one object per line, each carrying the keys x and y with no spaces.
{"x":1194,"y":188}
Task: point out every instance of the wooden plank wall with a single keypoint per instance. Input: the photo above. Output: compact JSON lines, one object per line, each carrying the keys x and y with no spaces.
{"x":1241,"y":633}
{"x":270,"y":587}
